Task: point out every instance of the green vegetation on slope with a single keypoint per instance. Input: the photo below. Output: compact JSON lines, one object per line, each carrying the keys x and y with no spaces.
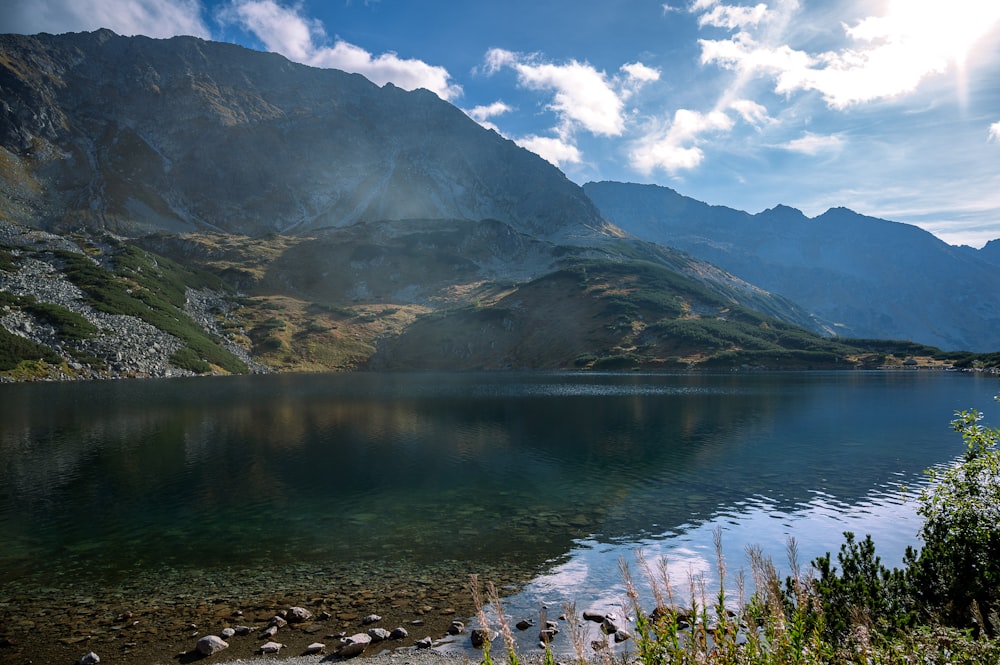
{"x":608,"y":314}
{"x":153,"y":289}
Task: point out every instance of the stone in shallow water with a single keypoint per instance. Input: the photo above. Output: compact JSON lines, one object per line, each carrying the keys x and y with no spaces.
{"x":211,"y":644}
{"x":270,"y":647}
{"x":379,"y":634}
{"x":354,"y":645}
{"x":89,"y":658}
{"x":299,"y":615}
{"x":399,"y":634}
{"x":371,"y":618}
{"x":226,"y":633}
{"x":315,"y":647}
{"x":479,"y":637}
{"x":425,"y":643}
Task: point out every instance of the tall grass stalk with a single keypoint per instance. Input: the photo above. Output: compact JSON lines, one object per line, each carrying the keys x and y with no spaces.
{"x":484,"y":622}
{"x":508,"y":636}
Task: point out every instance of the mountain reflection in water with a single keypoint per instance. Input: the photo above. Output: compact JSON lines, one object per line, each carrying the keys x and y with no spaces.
{"x":535,"y":473}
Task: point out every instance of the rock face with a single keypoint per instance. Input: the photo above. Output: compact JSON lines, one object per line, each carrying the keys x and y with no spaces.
{"x":185,"y":134}
{"x":861,"y":276}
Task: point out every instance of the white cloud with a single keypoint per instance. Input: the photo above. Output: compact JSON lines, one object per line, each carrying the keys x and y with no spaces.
{"x":638,"y":72}
{"x":582,"y":96}
{"x":994,"y":132}
{"x":483,"y":113}
{"x":285,"y":30}
{"x":676,"y":148}
{"x":732,"y":17}
{"x":751,"y":112}
{"x":554,"y":150}
{"x":153,"y":18}
{"x":890,"y":54}
{"x":814,"y":144}
{"x":636,"y":75}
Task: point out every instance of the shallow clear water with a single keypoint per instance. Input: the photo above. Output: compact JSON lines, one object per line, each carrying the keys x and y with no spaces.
{"x":550,"y":477}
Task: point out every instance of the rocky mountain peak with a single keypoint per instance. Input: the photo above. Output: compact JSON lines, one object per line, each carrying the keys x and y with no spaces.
{"x":185,"y":134}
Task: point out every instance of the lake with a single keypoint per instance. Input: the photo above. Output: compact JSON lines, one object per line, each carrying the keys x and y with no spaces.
{"x":195,"y":493}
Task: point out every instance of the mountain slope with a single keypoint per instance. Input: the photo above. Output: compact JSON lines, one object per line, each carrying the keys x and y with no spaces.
{"x":184,"y":134}
{"x":361,"y":227}
{"x":862,"y":276}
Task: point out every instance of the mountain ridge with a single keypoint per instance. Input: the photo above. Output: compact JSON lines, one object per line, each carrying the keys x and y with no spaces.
{"x":862,"y":276}
{"x":205,"y":135}
{"x":212,"y":209}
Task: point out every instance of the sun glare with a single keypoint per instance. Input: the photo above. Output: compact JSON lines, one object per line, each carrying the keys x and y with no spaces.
{"x":922,"y":36}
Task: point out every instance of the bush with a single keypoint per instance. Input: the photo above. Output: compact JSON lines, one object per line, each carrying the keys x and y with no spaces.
{"x":186,"y":358}
{"x":956,"y":575}
{"x":14,"y":349}
{"x":953,"y":581}
{"x":864,"y":593}
{"x":70,"y":324}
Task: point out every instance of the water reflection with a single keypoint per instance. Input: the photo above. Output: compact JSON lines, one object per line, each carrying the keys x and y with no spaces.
{"x":101,"y":480}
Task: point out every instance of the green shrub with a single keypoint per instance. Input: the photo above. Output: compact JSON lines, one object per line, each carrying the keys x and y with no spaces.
{"x":956,"y":575}
{"x":8,"y":261}
{"x":14,"y":349}
{"x":186,"y":358}
{"x":864,"y":592}
{"x":68,"y":323}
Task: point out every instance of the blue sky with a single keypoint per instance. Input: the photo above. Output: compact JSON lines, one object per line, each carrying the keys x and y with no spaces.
{"x":891,"y":108}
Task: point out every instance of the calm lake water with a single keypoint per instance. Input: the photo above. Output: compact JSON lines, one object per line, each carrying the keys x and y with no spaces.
{"x":164,"y":486}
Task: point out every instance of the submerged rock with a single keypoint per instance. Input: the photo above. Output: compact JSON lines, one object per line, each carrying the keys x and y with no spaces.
{"x":371,"y":618}
{"x":315,"y":647}
{"x":89,"y":658}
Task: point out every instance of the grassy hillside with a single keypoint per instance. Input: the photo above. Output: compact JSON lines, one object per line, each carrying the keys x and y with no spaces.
{"x":408,"y":296}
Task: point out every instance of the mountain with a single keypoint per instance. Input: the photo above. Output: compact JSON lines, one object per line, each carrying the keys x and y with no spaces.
{"x":182,"y":134}
{"x":181,"y":206}
{"x":860,"y":276}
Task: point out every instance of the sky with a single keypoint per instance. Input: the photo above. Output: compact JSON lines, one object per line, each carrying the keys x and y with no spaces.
{"x":888,"y":107}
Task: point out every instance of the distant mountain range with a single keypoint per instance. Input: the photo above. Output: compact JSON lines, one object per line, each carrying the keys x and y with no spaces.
{"x":860,"y":276}
{"x":176,"y":206}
